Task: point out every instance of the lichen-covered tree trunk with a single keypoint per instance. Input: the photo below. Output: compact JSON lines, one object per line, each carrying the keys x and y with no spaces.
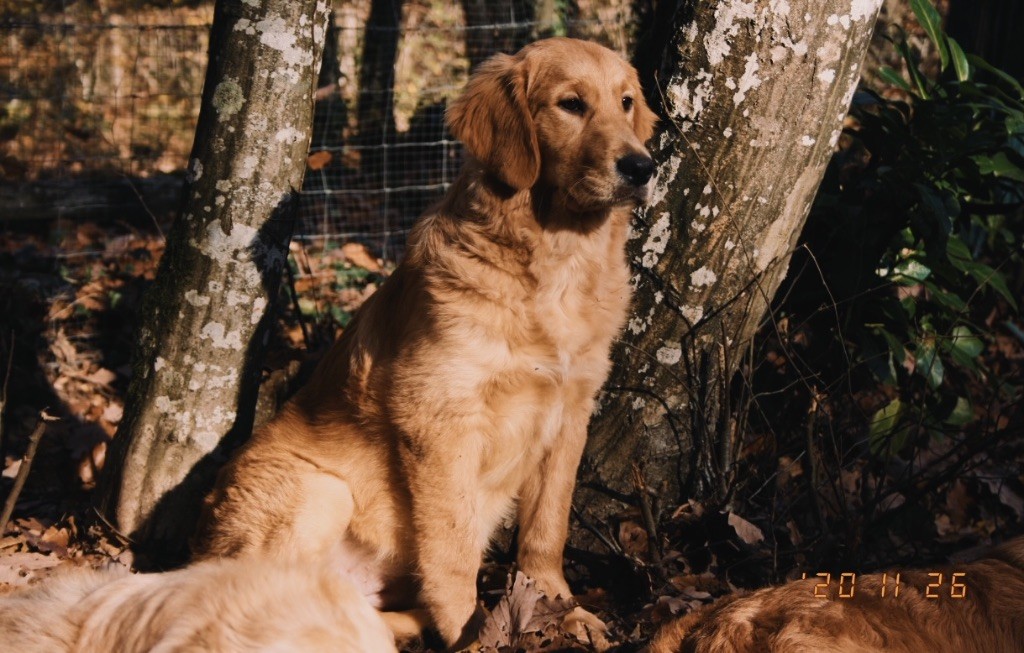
{"x":197,"y":363}
{"x":754,"y":94}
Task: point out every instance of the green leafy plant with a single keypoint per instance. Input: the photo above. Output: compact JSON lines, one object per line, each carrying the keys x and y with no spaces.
{"x":921,"y":215}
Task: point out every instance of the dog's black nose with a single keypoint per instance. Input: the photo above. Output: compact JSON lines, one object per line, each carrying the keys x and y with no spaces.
{"x":636,"y":168}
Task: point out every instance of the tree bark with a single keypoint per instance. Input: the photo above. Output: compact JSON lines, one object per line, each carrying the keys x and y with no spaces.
{"x":196,"y":369}
{"x":491,"y":27}
{"x":377,"y":77}
{"x":753,"y":95}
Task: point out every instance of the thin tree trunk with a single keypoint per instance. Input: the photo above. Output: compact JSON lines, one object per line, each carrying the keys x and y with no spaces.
{"x":754,"y":95}
{"x":196,"y":369}
{"x":491,"y":27}
{"x":377,"y":76}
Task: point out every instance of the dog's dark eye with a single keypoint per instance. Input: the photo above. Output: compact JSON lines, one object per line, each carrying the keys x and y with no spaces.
{"x":573,"y":105}
{"x":627,"y":103}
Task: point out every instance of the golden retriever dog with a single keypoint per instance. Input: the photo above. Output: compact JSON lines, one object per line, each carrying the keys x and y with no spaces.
{"x":244,"y":605}
{"x":461,"y":392}
{"x":980,"y":610}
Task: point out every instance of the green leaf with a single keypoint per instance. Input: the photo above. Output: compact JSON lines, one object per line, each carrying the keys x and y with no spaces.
{"x":919,"y":80}
{"x":986,"y":276}
{"x":960,"y":64}
{"x":929,"y":365}
{"x":981,"y":64}
{"x":961,"y":414}
{"x":961,"y":259}
{"x":893,"y":77}
{"x":998,"y":164}
{"x":963,"y":340}
{"x":883,"y":426}
{"x":931,"y":21}
{"x":911,"y":271}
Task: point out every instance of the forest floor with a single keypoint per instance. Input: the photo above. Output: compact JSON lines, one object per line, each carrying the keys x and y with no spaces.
{"x":69,"y":300}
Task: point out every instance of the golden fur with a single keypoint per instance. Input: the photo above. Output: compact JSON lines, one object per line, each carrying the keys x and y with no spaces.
{"x":218,"y":606}
{"x":461,"y":392}
{"x":790,"y":619}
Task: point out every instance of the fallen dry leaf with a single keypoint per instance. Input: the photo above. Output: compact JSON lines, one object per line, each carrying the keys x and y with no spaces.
{"x":317,"y":160}
{"x":746,"y":531}
{"x":357,"y":254}
{"x":523,"y":610}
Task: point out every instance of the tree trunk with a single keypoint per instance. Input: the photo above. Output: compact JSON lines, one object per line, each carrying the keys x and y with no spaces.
{"x":754,"y":95}
{"x":504,"y":26}
{"x":196,"y":370}
{"x":377,"y":77}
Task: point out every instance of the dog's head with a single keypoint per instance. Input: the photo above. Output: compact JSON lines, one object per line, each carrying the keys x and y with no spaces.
{"x":564,"y":114}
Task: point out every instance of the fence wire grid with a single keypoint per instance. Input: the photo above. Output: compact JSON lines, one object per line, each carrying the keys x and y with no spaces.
{"x":98,"y":108}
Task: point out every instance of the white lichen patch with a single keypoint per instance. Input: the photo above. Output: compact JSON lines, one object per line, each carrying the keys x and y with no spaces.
{"x":728,"y":20}
{"x":275,"y":33}
{"x":210,"y":426}
{"x":702,"y":277}
{"x":693,"y":314}
{"x":159,"y":364}
{"x":749,"y":80}
{"x":698,"y":226}
{"x":245,"y":25}
{"x":163,"y":404}
{"x":657,"y":240}
{"x":220,"y":338}
{"x":827,"y":76}
{"x":688,"y":103}
{"x":668,"y":355}
{"x":195,"y":299}
{"x":729,"y":245}
{"x":288,"y":134}
{"x":637,"y":326}
{"x":259,"y":306}
{"x":195,"y":171}
{"x":667,"y":172}
{"x":808,"y":140}
{"x":864,"y":9}
{"x":227,"y":98}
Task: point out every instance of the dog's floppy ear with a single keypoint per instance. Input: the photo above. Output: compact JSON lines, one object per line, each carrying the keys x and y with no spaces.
{"x":644,"y":119}
{"x":492,"y":119}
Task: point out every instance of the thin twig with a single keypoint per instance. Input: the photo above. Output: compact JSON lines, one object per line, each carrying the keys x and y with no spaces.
{"x":294,"y":295}
{"x":653,"y":543}
{"x":3,"y":396}
{"x":26,"y":464}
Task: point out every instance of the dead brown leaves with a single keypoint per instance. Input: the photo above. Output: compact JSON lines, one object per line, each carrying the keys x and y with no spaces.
{"x":525,"y":619}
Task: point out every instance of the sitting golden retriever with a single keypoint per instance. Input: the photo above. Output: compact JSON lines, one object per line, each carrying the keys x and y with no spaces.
{"x":981,"y":611}
{"x":244,"y":605}
{"x":462,"y":390}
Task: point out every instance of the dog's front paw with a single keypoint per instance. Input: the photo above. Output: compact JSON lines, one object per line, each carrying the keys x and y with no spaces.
{"x":468,"y":637}
{"x":587,"y":628}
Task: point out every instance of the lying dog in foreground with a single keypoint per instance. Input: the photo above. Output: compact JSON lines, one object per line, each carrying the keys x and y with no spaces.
{"x":219,"y":606}
{"x":461,"y":392}
{"x":980,"y":611}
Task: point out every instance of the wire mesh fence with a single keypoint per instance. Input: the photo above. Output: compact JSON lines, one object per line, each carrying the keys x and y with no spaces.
{"x":98,"y":109}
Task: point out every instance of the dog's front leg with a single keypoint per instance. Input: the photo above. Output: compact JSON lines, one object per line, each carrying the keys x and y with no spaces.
{"x":544,"y":504}
{"x":443,"y":486}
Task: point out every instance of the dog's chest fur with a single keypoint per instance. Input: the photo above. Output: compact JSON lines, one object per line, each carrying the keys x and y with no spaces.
{"x":546,"y":374}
